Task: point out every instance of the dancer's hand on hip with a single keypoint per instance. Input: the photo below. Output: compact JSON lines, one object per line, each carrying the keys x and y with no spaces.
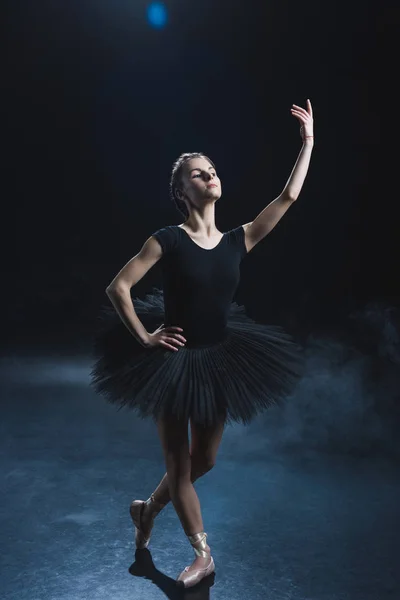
{"x":167,"y":337}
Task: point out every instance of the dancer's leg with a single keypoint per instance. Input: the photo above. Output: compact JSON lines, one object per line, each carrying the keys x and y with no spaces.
{"x":175,"y":442}
{"x":174,"y":438}
{"x":203,"y":452}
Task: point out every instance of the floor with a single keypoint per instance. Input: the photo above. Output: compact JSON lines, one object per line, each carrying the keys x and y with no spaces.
{"x":282,"y":525}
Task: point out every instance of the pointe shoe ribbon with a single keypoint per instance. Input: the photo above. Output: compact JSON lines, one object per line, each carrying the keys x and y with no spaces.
{"x":194,"y":576}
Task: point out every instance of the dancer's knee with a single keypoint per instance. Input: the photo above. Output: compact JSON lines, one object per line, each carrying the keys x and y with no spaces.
{"x":204,"y":446}
{"x":202,"y":464}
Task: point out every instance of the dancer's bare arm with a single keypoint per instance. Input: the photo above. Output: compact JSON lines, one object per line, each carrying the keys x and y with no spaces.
{"x":137,"y":267}
{"x":119,"y":290}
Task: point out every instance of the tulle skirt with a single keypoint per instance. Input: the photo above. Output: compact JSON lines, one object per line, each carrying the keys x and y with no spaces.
{"x":253,"y":367}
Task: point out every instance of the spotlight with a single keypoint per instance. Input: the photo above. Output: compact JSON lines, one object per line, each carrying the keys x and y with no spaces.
{"x":157,"y":15}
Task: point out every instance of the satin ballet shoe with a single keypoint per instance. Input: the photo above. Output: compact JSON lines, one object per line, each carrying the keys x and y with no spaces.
{"x":136,"y":511}
{"x":194,"y":576}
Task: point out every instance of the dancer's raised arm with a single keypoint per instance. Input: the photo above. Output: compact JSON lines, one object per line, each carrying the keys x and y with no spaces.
{"x":267,"y":219}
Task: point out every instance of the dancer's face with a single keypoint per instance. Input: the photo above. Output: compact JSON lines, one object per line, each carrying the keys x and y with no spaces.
{"x":200,"y":183}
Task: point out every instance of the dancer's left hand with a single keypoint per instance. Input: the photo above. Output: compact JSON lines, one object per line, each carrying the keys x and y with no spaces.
{"x":305,"y":116}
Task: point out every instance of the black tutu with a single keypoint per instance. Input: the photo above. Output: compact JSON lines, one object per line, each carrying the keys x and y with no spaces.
{"x":252,"y":368}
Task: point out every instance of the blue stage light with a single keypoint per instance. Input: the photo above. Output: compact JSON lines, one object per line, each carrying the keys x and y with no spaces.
{"x":157,"y":14}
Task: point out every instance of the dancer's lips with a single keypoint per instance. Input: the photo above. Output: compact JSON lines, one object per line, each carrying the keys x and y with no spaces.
{"x":212,"y":185}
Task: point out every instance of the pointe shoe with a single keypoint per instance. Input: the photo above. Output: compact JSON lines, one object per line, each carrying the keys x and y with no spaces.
{"x":136,"y":511}
{"x":194,"y":576}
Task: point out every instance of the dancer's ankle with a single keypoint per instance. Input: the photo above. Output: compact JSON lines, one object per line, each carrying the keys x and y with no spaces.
{"x":153,"y":505}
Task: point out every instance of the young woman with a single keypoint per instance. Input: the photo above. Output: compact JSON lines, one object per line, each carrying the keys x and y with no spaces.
{"x":188,"y":354}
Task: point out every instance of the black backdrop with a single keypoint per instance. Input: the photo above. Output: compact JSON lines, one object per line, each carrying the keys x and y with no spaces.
{"x":97,"y":105}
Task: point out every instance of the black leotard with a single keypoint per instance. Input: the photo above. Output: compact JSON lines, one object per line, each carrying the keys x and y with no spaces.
{"x":199,"y":284}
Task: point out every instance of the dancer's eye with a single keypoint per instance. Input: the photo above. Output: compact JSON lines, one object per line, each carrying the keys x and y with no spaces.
{"x":199,"y":174}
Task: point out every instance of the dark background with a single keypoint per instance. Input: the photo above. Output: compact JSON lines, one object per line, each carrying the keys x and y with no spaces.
{"x":98,"y":105}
